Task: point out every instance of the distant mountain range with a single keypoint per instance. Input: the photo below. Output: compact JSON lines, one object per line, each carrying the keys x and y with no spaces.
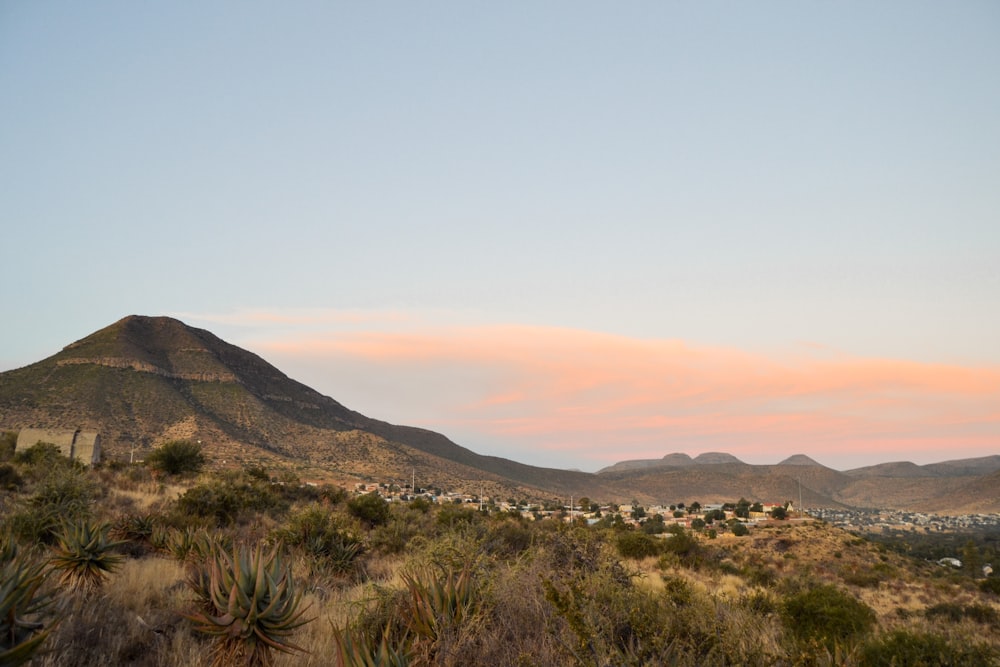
{"x":144,"y":380}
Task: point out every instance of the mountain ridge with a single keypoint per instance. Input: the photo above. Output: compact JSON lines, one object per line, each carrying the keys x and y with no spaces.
{"x":143,"y":380}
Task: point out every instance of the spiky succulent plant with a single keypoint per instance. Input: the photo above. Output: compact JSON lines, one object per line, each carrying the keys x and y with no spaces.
{"x":21,"y":633}
{"x":254,"y":605}
{"x":84,"y":556}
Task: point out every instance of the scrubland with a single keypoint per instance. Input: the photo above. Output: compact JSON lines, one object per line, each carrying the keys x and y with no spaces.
{"x":371,"y":583}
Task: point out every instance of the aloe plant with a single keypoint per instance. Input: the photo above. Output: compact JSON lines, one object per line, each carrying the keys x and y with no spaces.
{"x":439,"y":602}
{"x":356,"y":650}
{"x":84,"y":555}
{"x":250,"y":604}
{"x":21,"y":638}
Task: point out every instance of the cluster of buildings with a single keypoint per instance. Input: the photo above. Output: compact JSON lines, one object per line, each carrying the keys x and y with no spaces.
{"x":631,"y":514}
{"x":878,"y":520}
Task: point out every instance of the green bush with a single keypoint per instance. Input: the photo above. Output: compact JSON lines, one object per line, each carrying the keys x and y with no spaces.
{"x":508,"y":538}
{"x":40,"y":454}
{"x":635,"y":544}
{"x":316,"y":532}
{"x":827,"y":614}
{"x":904,"y":648}
{"x":990,"y":585}
{"x":226,"y":497}
{"x":177,"y":457}
{"x":370,"y":508}
{"x":451,"y":516}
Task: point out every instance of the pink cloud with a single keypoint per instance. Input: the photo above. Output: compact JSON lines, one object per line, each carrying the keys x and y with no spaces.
{"x":607,"y":397}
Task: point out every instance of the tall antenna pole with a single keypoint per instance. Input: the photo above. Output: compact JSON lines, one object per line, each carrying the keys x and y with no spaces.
{"x":801,"y":508}
{"x":413,"y":483}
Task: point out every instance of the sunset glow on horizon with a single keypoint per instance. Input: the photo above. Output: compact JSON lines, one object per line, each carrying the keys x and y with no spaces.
{"x":571,"y":398}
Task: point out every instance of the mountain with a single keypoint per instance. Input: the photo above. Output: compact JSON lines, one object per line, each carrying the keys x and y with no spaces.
{"x":979,"y":466}
{"x":715,"y":458}
{"x":892,"y":469}
{"x":145,"y":380}
{"x":798,"y":460}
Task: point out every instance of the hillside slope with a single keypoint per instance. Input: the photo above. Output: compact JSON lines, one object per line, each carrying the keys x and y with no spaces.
{"x":145,"y":380}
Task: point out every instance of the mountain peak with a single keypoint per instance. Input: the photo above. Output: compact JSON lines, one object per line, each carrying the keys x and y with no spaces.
{"x":677,"y":459}
{"x":799,"y":460}
{"x":715,"y":458}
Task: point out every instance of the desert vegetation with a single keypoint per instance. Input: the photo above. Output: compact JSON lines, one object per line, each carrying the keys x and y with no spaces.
{"x":140,"y":565}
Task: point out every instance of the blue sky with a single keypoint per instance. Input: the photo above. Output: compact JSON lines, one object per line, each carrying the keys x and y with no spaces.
{"x":786,"y":180}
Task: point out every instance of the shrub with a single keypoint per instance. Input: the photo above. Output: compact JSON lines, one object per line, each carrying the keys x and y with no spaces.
{"x":635,"y":544}
{"x":948,"y":611}
{"x":508,"y":538}
{"x":904,"y":648}
{"x":42,"y":454}
{"x":452,"y":516}
{"x":827,"y":614}
{"x":177,"y":457}
{"x":10,"y":480}
{"x":990,"y":585}
{"x":654,"y":525}
{"x":681,"y":543}
{"x":226,"y":497}
{"x":315,"y":532}
{"x":370,"y":508}
{"x":63,"y":494}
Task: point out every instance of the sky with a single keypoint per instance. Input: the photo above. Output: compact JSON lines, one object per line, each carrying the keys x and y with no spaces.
{"x":566,"y":233}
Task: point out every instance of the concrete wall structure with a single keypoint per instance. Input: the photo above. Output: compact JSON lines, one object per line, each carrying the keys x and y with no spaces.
{"x":82,"y":446}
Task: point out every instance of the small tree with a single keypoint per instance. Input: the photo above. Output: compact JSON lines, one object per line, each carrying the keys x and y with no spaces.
{"x":370,"y":508}
{"x":742,"y":509}
{"x":779,"y":512}
{"x":177,"y":457}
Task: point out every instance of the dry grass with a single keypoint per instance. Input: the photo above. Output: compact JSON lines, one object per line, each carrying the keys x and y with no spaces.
{"x":132,"y":622}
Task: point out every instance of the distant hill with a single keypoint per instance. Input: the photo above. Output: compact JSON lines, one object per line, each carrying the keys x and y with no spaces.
{"x":798,"y":460}
{"x":979,"y":466}
{"x":715,"y":458}
{"x":893,"y":469}
{"x":145,"y":380}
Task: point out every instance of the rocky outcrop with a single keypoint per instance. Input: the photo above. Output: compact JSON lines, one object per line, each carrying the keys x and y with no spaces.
{"x":146,"y":367}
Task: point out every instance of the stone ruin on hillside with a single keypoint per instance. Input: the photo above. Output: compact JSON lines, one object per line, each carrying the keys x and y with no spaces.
{"x":79,"y":445}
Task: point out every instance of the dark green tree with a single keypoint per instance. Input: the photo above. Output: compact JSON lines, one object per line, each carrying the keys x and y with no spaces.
{"x":370,"y":508}
{"x":177,"y":457}
{"x":742,"y":508}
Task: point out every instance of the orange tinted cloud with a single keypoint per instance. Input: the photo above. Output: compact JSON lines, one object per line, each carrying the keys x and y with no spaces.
{"x":607,"y":398}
